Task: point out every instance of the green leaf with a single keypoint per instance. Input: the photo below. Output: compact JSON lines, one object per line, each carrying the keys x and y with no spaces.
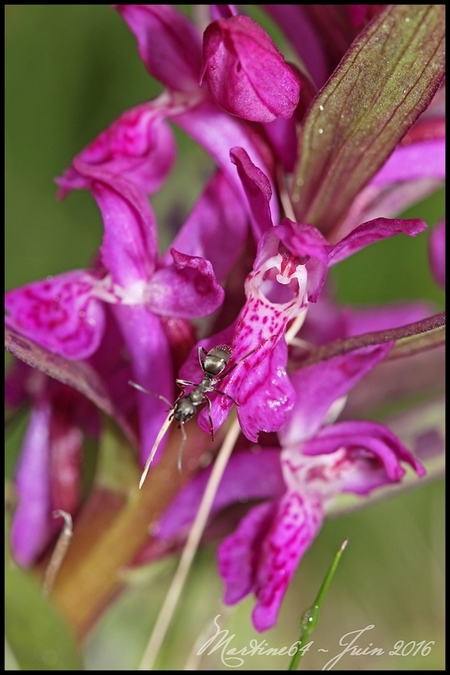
{"x":384,"y":82}
{"x":415,"y":343}
{"x":409,"y":340}
{"x":37,"y":636}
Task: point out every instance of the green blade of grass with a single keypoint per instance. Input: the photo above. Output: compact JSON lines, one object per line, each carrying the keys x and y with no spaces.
{"x":309,"y":618}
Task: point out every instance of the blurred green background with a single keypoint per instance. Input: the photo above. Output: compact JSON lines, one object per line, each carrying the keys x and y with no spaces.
{"x":70,"y":71}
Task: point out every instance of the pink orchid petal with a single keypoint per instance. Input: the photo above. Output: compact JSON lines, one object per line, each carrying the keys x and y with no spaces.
{"x":247,"y":476}
{"x":373,"y":231}
{"x":237,"y":553}
{"x":352,"y":468}
{"x":301,"y":32}
{"x":283,"y":139}
{"x":276,"y":293}
{"x":266,"y":395}
{"x":261,"y":380}
{"x":48,"y":475}
{"x":129,"y":248}
{"x":263,"y":553}
{"x":168,"y":44}
{"x":362,"y":439}
{"x":138,"y":146}
{"x":374,"y":202}
{"x":245,"y":72}
{"x":298,"y":520}
{"x":325,"y":321}
{"x":222,"y":11}
{"x":66,"y":445}
{"x":257,"y":189}
{"x":202,"y":122}
{"x":414,"y":161}
{"x":318,"y":386}
{"x":437,"y":253}
{"x":31,"y":525}
{"x":215,"y":229}
{"x":188,"y":288}
{"x":61,"y":314}
{"x":152,"y":369}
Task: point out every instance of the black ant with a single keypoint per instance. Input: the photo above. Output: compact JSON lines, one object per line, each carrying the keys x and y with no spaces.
{"x":213,"y":364}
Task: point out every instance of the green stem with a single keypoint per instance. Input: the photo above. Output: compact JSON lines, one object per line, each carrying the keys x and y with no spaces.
{"x":111,"y":535}
{"x":309,"y":619}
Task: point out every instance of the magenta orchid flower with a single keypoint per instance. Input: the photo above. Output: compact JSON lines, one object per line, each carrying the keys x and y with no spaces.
{"x":240,"y":48}
{"x":48,"y":475}
{"x":139,"y":145}
{"x":318,"y":461}
{"x":288,"y":273}
{"x":49,"y":472}
{"x":133,"y":282}
{"x":67,"y":315}
{"x":171,"y":50}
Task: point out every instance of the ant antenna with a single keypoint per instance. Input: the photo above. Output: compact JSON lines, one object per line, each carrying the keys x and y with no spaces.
{"x":161,"y":433}
{"x":146,"y":391}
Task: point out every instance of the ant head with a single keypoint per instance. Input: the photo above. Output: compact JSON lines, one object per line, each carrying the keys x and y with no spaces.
{"x":216,"y":360}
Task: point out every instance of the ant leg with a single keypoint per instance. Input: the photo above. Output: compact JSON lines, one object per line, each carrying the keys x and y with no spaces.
{"x":182,"y":384}
{"x":222,"y":393}
{"x":200,"y":351}
{"x":208,"y":402}
{"x":185,"y":383}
